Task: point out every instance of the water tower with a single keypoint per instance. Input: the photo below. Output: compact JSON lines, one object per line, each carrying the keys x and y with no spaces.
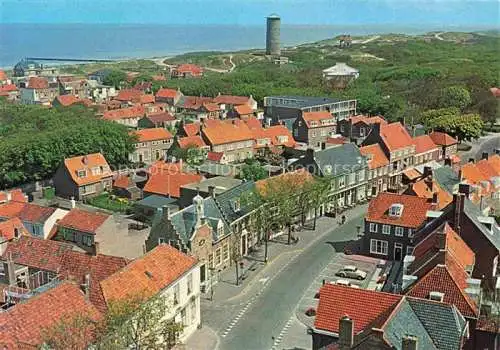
{"x":273,"y":35}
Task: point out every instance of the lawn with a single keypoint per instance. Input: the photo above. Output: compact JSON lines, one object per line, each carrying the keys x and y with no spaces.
{"x":110,"y":202}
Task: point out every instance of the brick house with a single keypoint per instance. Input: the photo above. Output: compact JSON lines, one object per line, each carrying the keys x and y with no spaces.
{"x":425,"y":150}
{"x":391,"y":223}
{"x":71,"y":85}
{"x":134,"y":97}
{"x":446,"y":143}
{"x":398,"y":147}
{"x":151,"y":145}
{"x":378,"y":169}
{"x":241,"y":111}
{"x":233,"y":138}
{"x":272,"y":138}
{"x":39,"y":90}
{"x":69,"y":100}
{"x":228,"y":103}
{"x":168,"y":96}
{"x":313,"y":128}
{"x":158,"y":120}
{"x":166,"y":179}
{"x":81,"y":177}
{"x":129,"y":116}
{"x":186,"y":70}
{"x":357,"y":128}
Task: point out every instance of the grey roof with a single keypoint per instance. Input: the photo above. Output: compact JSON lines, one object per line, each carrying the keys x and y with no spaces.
{"x":155,"y":201}
{"x":473,"y":213}
{"x":342,"y":159}
{"x":303,"y":101}
{"x":447,"y":178}
{"x":406,"y":322}
{"x":443,"y":322}
{"x":226,"y":201}
{"x":222,"y":183}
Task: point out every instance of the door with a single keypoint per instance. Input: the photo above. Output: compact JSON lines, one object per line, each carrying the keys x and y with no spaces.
{"x":203,"y":273}
{"x":244,"y":245}
{"x":398,"y":251}
{"x":141,"y":159}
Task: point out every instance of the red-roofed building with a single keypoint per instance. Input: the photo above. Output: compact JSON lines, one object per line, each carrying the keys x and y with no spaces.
{"x":397,"y":146}
{"x":446,"y":143}
{"x":216,"y":157}
{"x":164,"y":272}
{"x":186,"y":71}
{"x":168,"y":183}
{"x":69,"y":100}
{"x":378,"y":169}
{"x":83,"y":176}
{"x":16,"y":195}
{"x":313,"y":128}
{"x":127,"y":116}
{"x":241,"y":111}
{"x":10,"y":91}
{"x":357,"y":127}
{"x":151,"y":145}
{"x":277,"y":136}
{"x":390,"y":223}
{"x":39,"y":90}
{"x":12,"y":228}
{"x":169,"y":96}
{"x":134,"y":96}
{"x":228,"y":102}
{"x":190,"y":129}
{"x":157,"y":120}
{"x":425,"y":150}
{"x":190,"y":141}
{"x":427,"y":187}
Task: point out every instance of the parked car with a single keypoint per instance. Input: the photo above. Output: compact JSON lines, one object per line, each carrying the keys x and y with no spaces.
{"x":351,"y":271}
{"x":346,"y":283}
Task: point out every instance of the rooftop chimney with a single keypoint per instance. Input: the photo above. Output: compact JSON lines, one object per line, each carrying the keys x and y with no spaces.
{"x":73,"y":203}
{"x":464,"y":189}
{"x":447,"y":161}
{"x":86,"y":286}
{"x":435,"y":199}
{"x":471,"y":160}
{"x":166,"y":211}
{"x":484,"y":155}
{"x":427,"y":171}
{"x":10,"y":271}
{"x":346,"y":333}
{"x":85,"y":160}
{"x":9,"y":196}
{"x":409,"y":342}
{"x":459,"y":202}
{"x":211,"y":191}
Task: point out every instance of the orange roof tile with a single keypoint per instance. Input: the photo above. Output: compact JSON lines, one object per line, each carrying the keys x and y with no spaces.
{"x":424,"y":144}
{"x":82,"y":220}
{"x":23,"y":325}
{"x":38,"y":83}
{"x":149,"y":274}
{"x":367,"y":119}
{"x":253,"y":123}
{"x":153,"y":134}
{"x":147,"y":98}
{"x":161,"y":166}
{"x":338,"y":140}
{"x":191,"y":129}
{"x":442,"y":139}
{"x":8,"y":88}
{"x":222,"y":133}
{"x":166,"y":93}
{"x":278,"y":134}
{"x":161,"y":117}
{"x":169,"y":184}
{"x":472,"y":174}
{"x":232,"y":100}
{"x":8,"y":228}
{"x":412,"y":173}
{"x":318,"y":117}
{"x":189,"y":68}
{"x":414,"y":211}
{"x":487,"y":168}
{"x":189,"y":141}
{"x":362,"y":306}
{"x":395,"y":136}
{"x":3,"y":76}
{"x":16,"y":195}
{"x":211,"y":107}
{"x":243,"y":110}
{"x":68,"y":100}
{"x":88,"y":163}
{"x":376,"y":156}
{"x":26,"y":211}
{"x":215,"y":156}
{"x":123,"y":181}
{"x":129,"y":95}
{"x":124,"y":113}
{"x":422,"y":189}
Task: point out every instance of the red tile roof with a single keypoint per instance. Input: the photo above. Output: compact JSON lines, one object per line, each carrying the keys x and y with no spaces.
{"x":227,"y":132}
{"x":422,"y":189}
{"x":424,"y":144}
{"x":82,"y":220}
{"x":243,"y":110}
{"x":191,"y":129}
{"x":68,"y":100}
{"x":317,"y":117}
{"x":16,"y":195}
{"x":451,"y":280}
{"x":367,"y":119}
{"x":188,"y":141}
{"x":123,"y":181}
{"x":23,"y":325}
{"x":362,"y":306}
{"x":166,"y":93}
{"x":210,"y":107}
{"x":215,"y":156}
{"x":189,"y":68}
{"x":26,"y":211}
{"x":147,"y":99}
{"x":8,"y":228}
{"x":338,"y":140}
{"x":169,"y":184}
{"x":395,"y":136}
{"x":414,"y":211}
{"x":488,"y":324}
{"x":153,"y":134}
{"x":3,"y":76}
{"x":279,"y":135}
{"x":376,"y":156}
{"x":125,"y":113}
{"x":129,"y":95}
{"x":442,"y":139}
{"x":195,"y":102}
{"x":38,"y":83}
{"x":232,"y":100}
{"x":161,"y":117}
{"x":87,"y":163}
{"x":36,"y":252}
{"x":253,"y":123}
{"x":148,"y":274}
{"x":8,"y":88}
{"x":161,"y":166}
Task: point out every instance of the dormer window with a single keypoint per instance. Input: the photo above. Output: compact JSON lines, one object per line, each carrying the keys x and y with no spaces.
{"x":220,"y":229}
{"x":436,"y":296}
{"x":328,"y":170}
{"x":396,"y":210}
{"x":236,"y":205}
{"x":81,"y":173}
{"x":313,"y":124}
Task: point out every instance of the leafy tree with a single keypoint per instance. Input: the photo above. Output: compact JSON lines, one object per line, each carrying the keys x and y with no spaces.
{"x":142,"y":78}
{"x":451,"y":121}
{"x":488,"y":107}
{"x":192,"y":154}
{"x":115,"y":78}
{"x":252,"y":170}
{"x":454,"y":96}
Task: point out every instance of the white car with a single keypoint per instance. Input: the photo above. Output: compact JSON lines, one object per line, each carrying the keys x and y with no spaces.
{"x":351,"y":271}
{"x":346,"y":283}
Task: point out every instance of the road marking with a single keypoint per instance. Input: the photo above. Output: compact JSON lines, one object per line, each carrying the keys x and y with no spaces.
{"x":282,"y":334}
{"x":264,"y":280}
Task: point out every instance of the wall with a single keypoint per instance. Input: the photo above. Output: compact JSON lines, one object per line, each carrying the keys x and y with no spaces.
{"x":64,"y":185}
{"x":51,"y":221}
{"x":391,"y":238}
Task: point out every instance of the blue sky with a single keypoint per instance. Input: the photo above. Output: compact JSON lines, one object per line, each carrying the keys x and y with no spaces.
{"x":252,"y":12}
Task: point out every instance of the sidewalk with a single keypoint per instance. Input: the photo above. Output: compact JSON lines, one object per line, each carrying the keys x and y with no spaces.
{"x":202,"y":339}
{"x":256,"y":273}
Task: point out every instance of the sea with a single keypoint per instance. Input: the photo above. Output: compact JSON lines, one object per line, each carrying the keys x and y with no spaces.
{"x":110,"y":41}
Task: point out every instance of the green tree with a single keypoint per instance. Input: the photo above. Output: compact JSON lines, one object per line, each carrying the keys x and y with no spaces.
{"x":115,"y":78}
{"x":192,"y":154}
{"x":253,"y":171}
{"x":453,"y":122}
{"x":454,"y":96}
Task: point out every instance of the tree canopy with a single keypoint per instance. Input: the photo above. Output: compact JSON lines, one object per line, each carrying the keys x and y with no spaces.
{"x":453,"y":122}
{"x":252,"y":170}
{"x":115,"y":78}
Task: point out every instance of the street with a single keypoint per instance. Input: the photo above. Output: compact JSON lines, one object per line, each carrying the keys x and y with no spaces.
{"x":268,"y":309}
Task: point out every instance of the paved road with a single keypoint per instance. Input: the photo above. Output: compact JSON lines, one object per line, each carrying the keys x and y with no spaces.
{"x":269,"y":313}
{"x":486,"y":143}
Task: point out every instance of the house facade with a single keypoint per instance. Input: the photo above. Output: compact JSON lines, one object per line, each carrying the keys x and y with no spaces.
{"x":425,"y":150}
{"x":39,"y":90}
{"x":100,"y":93}
{"x":391,"y":223}
{"x":151,"y":145}
{"x":313,"y":128}
{"x":83,"y":176}
{"x":357,"y":128}
{"x":378,"y":169}
{"x":447,"y":144}
{"x":168,"y":96}
{"x":186,"y":70}
{"x":126,"y":116}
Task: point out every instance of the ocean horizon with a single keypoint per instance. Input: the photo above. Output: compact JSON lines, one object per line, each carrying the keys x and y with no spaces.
{"x":129,"y":41}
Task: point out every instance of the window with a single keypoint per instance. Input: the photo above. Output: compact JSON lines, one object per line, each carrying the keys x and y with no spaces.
{"x":218,"y":256}
{"x":87,"y":240}
{"x":162,"y":240}
{"x":81,"y":173}
{"x":396,"y":210}
{"x":177,"y":294}
{"x":295,"y":132}
{"x":313,"y":134}
{"x":409,"y":250}
{"x":69,"y":235}
{"x":386,"y":229}
{"x":327,"y":170}
{"x":211,"y":260}
{"x":361,"y":175}
{"x":378,"y":247}
{"x":361,"y":132}
{"x":352,"y":178}
{"x":190,"y":283}
{"x":410,"y":233}
{"x":183,"y":317}
{"x":373,"y":228}
{"x":236,"y":205}
{"x":220,"y":228}
{"x":341,"y":181}
{"x":342,"y":128}
{"x":225,"y":252}
{"x":399,"y":231}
